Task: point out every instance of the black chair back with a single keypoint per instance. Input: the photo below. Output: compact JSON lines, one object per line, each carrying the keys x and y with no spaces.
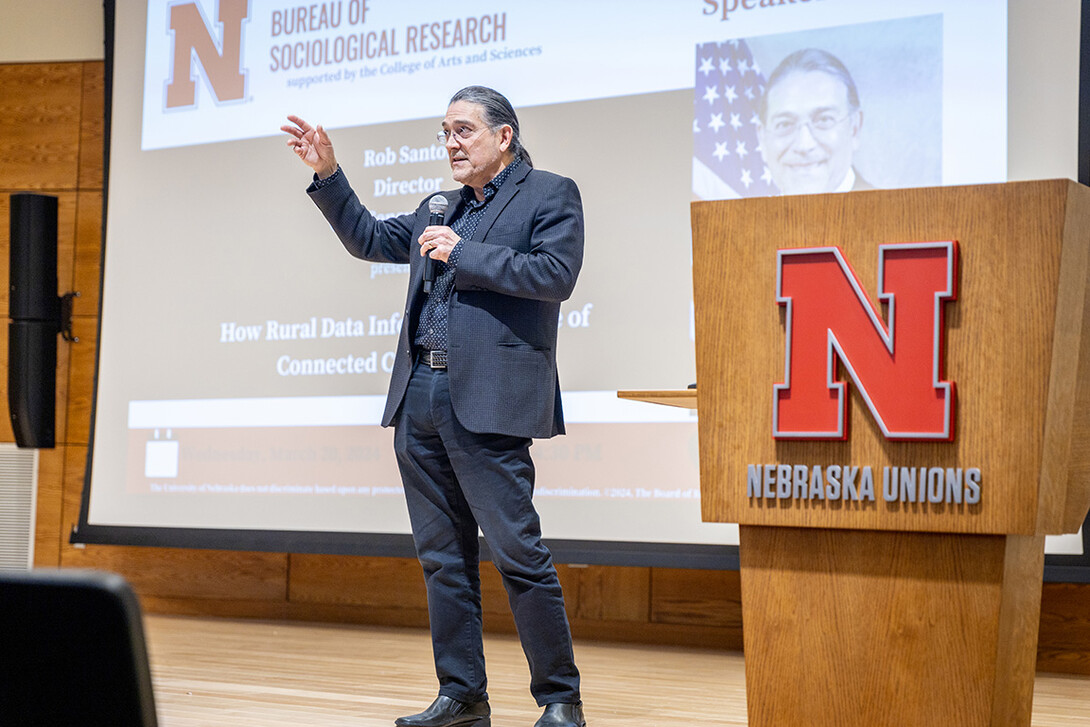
{"x":72,"y":651}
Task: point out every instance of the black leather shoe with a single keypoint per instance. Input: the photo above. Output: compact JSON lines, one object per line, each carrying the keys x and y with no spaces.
{"x":447,"y":712}
{"x":562,"y":715}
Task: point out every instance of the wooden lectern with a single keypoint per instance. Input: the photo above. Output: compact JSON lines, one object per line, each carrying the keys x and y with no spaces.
{"x":917,"y":609}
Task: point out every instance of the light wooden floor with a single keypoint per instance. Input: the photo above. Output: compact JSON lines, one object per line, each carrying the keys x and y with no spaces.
{"x":262,"y":674}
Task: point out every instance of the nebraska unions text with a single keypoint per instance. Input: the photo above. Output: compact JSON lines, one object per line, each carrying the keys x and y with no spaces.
{"x":949,"y":485}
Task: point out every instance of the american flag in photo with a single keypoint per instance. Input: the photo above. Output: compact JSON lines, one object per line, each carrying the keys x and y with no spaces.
{"x":726,"y":96}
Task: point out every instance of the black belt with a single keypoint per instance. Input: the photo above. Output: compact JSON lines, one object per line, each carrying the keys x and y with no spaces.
{"x":434,"y":359}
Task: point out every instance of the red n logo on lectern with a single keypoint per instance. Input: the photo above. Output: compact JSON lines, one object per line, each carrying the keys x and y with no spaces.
{"x":897,"y":367}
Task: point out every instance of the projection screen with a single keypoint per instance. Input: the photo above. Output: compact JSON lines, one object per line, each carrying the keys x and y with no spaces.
{"x":244,"y":355}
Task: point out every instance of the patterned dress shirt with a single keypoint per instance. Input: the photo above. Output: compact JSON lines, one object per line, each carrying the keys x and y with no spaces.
{"x":431,"y":331}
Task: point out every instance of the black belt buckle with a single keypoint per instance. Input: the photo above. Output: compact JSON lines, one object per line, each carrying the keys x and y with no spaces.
{"x":435,"y":359}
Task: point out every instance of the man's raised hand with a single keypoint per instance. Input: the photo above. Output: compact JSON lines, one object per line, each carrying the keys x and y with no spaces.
{"x":312,"y":145}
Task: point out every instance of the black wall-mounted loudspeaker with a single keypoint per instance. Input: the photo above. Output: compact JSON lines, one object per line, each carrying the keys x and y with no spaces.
{"x":35,"y":312}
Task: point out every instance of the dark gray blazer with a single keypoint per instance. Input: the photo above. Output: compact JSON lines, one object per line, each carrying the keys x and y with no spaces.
{"x":504,"y":311}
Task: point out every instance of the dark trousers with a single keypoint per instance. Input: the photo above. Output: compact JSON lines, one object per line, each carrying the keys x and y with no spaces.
{"x":456,"y":480}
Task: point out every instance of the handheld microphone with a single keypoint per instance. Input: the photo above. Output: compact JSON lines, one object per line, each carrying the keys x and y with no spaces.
{"x":437,"y":209}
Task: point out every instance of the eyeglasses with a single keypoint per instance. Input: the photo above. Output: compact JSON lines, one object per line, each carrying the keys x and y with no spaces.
{"x":784,"y":127}
{"x":462,"y":133}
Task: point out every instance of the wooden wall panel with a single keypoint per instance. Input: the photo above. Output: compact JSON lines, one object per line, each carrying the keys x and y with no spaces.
{"x":49,"y":515}
{"x":92,"y":125}
{"x":697,"y":598}
{"x":1063,"y":643}
{"x":87,"y":261}
{"x":81,"y":380}
{"x":607,"y":593}
{"x":58,"y":108}
{"x":40,"y":104}
{"x":347,"y":580}
{"x":189,"y":573}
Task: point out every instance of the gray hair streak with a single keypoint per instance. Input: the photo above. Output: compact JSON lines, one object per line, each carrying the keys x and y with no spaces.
{"x":497,"y":112}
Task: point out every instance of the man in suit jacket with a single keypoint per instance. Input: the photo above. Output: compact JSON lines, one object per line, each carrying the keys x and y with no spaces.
{"x":474,"y":380}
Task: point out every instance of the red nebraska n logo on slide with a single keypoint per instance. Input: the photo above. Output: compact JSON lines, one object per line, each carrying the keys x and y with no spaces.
{"x":897,"y":368}
{"x":193,"y":43}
